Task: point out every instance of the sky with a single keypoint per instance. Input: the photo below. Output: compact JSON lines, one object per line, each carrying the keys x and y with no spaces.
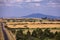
{"x":18,"y":8}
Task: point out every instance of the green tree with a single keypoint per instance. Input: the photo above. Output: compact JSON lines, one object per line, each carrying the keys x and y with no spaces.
{"x":39,"y":32}
{"x":58,"y":36}
{"x":51,"y":35}
{"x":28,"y":33}
{"x":19,"y":35}
{"x":47,"y":32}
{"x":13,"y":31}
{"x":34,"y":34}
{"x":56,"y":33}
{"x":6,"y":26}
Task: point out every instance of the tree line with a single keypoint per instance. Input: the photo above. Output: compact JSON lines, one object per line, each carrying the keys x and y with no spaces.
{"x":38,"y":34}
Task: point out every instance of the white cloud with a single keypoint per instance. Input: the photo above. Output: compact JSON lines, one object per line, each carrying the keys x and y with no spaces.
{"x":20,"y":3}
{"x":53,"y":4}
{"x":8,"y":1}
{"x":19,"y":0}
{"x":28,"y":0}
{"x":37,"y":0}
{"x":37,"y":5}
{"x":8,"y":5}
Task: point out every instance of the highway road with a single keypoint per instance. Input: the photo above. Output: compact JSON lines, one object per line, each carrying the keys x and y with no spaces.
{"x":6,"y":34}
{"x":1,"y":33}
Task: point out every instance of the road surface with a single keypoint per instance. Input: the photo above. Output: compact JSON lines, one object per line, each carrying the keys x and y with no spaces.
{"x":7,"y":35}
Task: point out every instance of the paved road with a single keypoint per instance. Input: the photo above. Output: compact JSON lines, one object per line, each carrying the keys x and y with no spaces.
{"x":1,"y":34}
{"x":4,"y":33}
{"x":7,"y":34}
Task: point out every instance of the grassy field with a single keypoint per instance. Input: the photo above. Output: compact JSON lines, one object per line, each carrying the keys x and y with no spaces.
{"x":32,"y":25}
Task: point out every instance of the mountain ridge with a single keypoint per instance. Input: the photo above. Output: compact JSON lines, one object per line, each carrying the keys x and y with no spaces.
{"x":38,"y":15}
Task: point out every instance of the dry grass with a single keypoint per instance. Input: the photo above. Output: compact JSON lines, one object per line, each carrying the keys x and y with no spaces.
{"x":32,"y":25}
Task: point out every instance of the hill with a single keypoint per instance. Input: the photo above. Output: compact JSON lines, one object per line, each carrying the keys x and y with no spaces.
{"x":38,"y":15}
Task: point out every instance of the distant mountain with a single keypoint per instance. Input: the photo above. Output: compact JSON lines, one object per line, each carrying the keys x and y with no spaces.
{"x":38,"y":15}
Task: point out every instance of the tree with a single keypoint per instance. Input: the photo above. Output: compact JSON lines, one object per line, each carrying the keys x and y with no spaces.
{"x":34,"y":34}
{"x":13,"y":31}
{"x":19,"y":35}
{"x":58,"y":36}
{"x":39,"y":32}
{"x":56,"y":33}
{"x":47,"y":32}
{"x":51,"y":35}
{"x":28,"y":33}
{"x":6,"y":26}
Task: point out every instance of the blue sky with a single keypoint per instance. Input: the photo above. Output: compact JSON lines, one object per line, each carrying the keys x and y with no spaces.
{"x":18,"y":8}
